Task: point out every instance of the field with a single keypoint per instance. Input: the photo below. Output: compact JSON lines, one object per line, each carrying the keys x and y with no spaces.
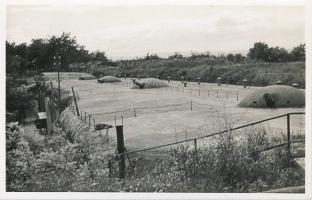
{"x":153,"y":117}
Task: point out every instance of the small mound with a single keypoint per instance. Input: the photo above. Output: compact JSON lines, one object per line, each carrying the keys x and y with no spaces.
{"x":275,"y":96}
{"x":86,"y":77}
{"x":149,"y":83}
{"x":108,"y":79}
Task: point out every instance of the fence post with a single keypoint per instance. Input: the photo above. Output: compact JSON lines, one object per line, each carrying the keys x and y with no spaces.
{"x":134,"y":112}
{"x":89,"y":120}
{"x":237,"y":96}
{"x":107,"y":135}
{"x":74,"y":100}
{"x":191,"y":105}
{"x":217,"y":94}
{"x":109,"y":165}
{"x":85,"y":117}
{"x":195,"y":156}
{"x":94,"y":123}
{"x":288,"y":136}
{"x":121,"y":150}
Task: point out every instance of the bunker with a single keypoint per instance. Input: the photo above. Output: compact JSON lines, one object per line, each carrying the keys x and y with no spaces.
{"x":108,"y":79}
{"x":149,"y":83}
{"x":275,"y":96}
{"x":279,"y":82}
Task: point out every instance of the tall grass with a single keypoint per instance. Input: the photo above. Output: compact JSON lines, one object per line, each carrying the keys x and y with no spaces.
{"x":225,"y":164}
{"x":230,"y":162}
{"x":257,"y":73}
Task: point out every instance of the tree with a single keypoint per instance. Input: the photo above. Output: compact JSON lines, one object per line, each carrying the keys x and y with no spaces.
{"x":37,"y":54}
{"x":259,"y":51}
{"x":239,"y":58}
{"x":99,"y":56}
{"x":176,"y":55}
{"x":298,"y":53}
{"x":230,"y":57}
{"x":277,"y":54}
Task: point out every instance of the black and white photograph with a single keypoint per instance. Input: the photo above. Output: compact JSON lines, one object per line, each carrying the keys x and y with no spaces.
{"x":156,"y":98}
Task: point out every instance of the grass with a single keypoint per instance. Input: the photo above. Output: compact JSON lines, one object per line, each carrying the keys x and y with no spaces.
{"x":225,"y":165}
{"x":257,"y":73}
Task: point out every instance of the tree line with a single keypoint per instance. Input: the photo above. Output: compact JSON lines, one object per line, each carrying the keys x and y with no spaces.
{"x":45,"y":54}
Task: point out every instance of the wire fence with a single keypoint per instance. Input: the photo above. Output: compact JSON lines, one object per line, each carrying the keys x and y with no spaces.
{"x":93,"y":119}
{"x":195,"y":141}
{"x":194,"y":92}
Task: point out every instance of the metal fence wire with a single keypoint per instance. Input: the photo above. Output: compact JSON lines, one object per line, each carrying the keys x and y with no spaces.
{"x":195,"y":140}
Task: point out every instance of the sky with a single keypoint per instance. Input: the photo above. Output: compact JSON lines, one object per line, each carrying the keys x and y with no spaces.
{"x":134,"y":31}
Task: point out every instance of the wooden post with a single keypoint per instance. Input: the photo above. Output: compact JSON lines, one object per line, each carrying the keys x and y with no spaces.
{"x":85,"y":117}
{"x":217,"y":94}
{"x":237,"y":96}
{"x":121,"y":150}
{"x":134,"y":112}
{"x":107,"y":135}
{"x":195,"y":156}
{"x":109,"y":165}
{"x":89,"y":120}
{"x":191,"y":105}
{"x":94,"y":123}
{"x":77,"y":110}
{"x":288,"y":136}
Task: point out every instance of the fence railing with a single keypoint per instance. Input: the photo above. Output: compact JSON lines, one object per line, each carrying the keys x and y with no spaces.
{"x":287,"y":143}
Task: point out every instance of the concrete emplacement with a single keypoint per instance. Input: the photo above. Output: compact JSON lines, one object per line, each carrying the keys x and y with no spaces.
{"x":275,"y":96}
